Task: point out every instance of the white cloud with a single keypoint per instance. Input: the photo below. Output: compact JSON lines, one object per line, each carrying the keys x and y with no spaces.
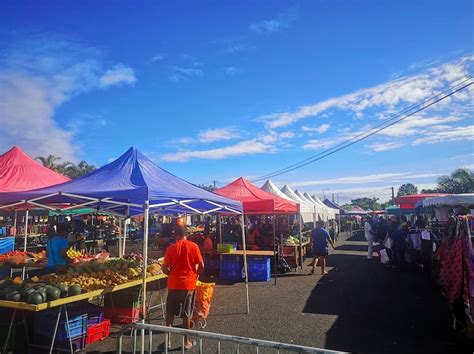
{"x":287,"y":135}
{"x":375,"y":178}
{"x":453,"y":134}
{"x":158,"y":57}
{"x":37,"y":76}
{"x":321,"y":129}
{"x":232,"y":71}
{"x":385,"y":146}
{"x":242,"y":148}
{"x":416,"y":125}
{"x":118,"y":75}
{"x":282,"y":21}
{"x":217,"y":134}
{"x":180,"y":73}
{"x":386,"y":96}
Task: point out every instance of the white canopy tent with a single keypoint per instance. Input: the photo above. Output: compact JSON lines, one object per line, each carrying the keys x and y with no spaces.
{"x":331,"y":212}
{"x":452,"y":200}
{"x":308,"y":210}
{"x":270,"y":187}
{"x":320,"y":210}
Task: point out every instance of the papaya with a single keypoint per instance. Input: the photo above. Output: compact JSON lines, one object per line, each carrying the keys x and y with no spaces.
{"x":53,"y":293}
{"x":35,"y":298}
{"x":74,"y":290}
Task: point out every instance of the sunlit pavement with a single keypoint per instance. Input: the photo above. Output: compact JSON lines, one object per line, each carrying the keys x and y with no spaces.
{"x":360,"y":306}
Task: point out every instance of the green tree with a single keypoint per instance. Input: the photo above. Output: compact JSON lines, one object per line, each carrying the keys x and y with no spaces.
{"x":407,"y":189}
{"x":49,"y":161}
{"x":460,"y":181}
{"x":367,"y":203}
{"x":75,"y":171}
{"x":429,"y":191}
{"x":209,"y":188}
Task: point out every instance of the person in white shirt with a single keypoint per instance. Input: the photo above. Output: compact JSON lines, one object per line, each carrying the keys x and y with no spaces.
{"x":370,"y":236}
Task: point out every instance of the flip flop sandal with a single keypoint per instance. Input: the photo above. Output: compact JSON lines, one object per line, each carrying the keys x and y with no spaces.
{"x":193,"y":344}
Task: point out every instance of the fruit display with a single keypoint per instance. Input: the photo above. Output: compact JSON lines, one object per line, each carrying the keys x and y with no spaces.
{"x":292,"y":241}
{"x":95,"y":274}
{"x":33,"y":291}
{"x":16,"y":257}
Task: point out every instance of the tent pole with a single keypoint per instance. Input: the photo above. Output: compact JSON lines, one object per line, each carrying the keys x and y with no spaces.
{"x":25,"y":241}
{"x":274,"y":247}
{"x":244,"y":247}
{"x":145,"y":260}
{"x":314,"y":217}
{"x":120,"y":238}
{"x":124,"y":235}
{"x":14,"y":223}
{"x":300,"y":233}
{"x":125,"y":230}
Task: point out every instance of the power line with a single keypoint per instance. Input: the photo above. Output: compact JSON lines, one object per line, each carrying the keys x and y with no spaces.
{"x":364,"y":135}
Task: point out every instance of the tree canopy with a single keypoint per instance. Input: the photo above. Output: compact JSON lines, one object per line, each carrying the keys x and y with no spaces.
{"x":67,"y":168}
{"x":460,"y":181}
{"x":407,"y":189}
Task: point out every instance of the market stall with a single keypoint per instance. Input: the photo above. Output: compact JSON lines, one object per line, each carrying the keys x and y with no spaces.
{"x":455,"y":255}
{"x":294,"y":249}
{"x":256,"y":201}
{"x":130,"y":185}
{"x":19,"y":172}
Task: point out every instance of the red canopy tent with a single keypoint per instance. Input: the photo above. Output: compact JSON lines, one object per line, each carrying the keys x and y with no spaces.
{"x":256,"y":200}
{"x":409,"y":201}
{"x":19,"y":172}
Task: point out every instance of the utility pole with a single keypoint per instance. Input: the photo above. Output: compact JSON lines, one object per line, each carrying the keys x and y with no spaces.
{"x":333,"y":197}
{"x":393,"y":196}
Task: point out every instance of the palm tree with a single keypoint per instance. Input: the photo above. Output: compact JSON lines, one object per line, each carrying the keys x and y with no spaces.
{"x":49,"y":161}
{"x":75,"y":171}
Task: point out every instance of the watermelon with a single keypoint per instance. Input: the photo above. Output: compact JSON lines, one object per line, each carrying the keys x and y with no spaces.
{"x":35,"y":298}
{"x":74,"y":290}
{"x":53,"y":293}
{"x":13,"y":296}
{"x":63,"y":288}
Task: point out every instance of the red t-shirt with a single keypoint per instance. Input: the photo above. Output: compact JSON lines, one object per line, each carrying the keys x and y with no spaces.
{"x":182,"y":258}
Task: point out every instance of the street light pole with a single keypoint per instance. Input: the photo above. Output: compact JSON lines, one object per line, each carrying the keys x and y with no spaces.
{"x":324,"y":194}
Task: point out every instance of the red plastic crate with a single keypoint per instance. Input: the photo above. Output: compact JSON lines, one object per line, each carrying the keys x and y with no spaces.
{"x":98,"y":332}
{"x":122,"y":314}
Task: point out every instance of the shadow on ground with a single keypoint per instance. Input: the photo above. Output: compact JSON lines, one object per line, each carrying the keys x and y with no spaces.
{"x":380,"y":310}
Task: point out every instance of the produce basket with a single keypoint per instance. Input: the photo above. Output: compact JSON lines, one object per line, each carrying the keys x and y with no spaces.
{"x":46,"y":320}
{"x":98,"y":332}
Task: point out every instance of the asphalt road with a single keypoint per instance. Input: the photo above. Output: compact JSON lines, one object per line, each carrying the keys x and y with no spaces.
{"x":361,"y":306}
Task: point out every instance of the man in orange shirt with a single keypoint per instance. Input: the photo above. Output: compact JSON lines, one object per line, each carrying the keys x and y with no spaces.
{"x":183,"y":263}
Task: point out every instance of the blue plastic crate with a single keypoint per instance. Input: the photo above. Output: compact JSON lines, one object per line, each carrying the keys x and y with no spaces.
{"x":7,"y":244}
{"x":211,"y":262}
{"x":259,"y":269}
{"x":46,"y":320}
{"x":95,"y":314}
{"x":230,"y":274}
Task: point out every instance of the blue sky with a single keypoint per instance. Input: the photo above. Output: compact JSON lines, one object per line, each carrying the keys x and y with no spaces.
{"x":215,"y":90}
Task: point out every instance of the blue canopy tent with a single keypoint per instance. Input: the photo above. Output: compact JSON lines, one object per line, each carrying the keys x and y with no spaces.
{"x":130,"y":185}
{"x":334,"y":206}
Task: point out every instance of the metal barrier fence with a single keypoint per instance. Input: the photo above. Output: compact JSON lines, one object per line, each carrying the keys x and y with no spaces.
{"x":239,"y":344}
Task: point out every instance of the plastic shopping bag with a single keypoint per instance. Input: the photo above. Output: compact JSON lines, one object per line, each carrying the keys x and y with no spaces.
{"x":384,"y":258}
{"x":202,"y":302}
{"x":388,"y":243}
